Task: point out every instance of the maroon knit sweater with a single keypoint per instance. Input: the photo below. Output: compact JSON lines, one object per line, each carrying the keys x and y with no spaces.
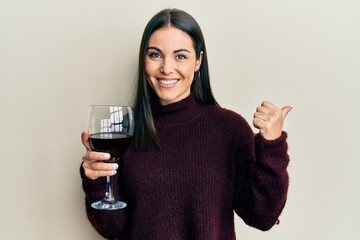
{"x":210,"y":165}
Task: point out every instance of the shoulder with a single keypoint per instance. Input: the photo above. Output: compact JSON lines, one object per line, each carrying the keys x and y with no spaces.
{"x":224,"y":114}
{"x":227,"y":119}
{"x":228,"y":124}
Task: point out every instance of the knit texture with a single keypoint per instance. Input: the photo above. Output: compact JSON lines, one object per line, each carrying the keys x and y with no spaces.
{"x":210,"y":166}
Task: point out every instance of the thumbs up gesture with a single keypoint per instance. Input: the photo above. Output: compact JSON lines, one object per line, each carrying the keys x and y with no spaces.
{"x":269,"y":119}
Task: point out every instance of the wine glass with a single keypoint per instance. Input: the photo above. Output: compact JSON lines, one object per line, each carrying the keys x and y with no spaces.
{"x":111,"y":129}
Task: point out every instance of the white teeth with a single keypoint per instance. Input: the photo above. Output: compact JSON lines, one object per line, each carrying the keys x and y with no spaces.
{"x":167,"y":82}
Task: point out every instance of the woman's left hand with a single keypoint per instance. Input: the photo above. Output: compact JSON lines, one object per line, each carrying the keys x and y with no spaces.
{"x":269,"y":119}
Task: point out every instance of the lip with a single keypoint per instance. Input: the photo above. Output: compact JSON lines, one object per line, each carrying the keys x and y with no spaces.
{"x":167,"y":82}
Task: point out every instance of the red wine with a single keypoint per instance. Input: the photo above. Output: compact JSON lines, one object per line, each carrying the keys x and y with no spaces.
{"x":114,"y":143}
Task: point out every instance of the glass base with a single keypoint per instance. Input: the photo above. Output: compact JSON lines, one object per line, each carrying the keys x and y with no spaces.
{"x":106,"y":205}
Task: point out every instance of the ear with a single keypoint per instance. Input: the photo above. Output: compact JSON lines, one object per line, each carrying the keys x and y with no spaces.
{"x":199,"y":61}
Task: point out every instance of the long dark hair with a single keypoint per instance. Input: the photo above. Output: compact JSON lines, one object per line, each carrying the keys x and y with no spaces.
{"x":145,"y":136}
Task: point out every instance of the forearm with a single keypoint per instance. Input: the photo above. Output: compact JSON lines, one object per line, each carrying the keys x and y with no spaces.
{"x":262,"y":183}
{"x":110,"y":224}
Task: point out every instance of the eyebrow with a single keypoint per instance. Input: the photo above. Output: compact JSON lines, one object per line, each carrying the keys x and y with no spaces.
{"x":176,"y":51}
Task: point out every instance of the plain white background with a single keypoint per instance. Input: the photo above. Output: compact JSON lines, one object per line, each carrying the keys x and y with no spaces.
{"x":58,"y":57}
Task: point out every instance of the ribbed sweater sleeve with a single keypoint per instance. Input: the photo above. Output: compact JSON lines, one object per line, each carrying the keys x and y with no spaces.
{"x":99,"y":219}
{"x":261,"y":178}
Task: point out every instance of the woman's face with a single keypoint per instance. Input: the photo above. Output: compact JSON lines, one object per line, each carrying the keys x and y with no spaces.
{"x":170,"y":64}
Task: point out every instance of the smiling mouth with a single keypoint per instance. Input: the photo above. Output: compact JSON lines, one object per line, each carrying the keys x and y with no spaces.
{"x":168,"y":82}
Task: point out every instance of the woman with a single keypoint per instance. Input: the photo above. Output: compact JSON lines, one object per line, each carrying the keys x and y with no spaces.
{"x":192,"y":163}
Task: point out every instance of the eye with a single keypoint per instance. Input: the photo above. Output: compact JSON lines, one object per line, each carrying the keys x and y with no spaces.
{"x":154,"y":55}
{"x":180,"y":57}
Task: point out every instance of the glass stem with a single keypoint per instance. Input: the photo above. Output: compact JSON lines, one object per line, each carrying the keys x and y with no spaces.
{"x":109,"y":197}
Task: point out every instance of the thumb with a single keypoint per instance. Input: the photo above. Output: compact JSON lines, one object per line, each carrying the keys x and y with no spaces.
{"x":85,"y":139}
{"x":285,"y":110}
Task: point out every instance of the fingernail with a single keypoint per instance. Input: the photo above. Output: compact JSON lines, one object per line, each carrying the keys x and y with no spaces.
{"x":114,"y":172}
{"x":106,"y":155}
{"x":115,"y":166}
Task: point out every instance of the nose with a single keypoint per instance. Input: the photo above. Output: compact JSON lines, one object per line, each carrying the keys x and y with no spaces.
{"x":167,"y":66}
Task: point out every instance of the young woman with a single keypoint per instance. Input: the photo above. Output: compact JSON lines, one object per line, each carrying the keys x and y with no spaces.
{"x":192,"y":164}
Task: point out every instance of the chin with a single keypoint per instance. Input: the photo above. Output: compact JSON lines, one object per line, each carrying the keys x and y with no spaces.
{"x":166,"y":100}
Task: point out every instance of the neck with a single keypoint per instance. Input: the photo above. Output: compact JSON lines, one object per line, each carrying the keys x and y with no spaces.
{"x":176,"y":113}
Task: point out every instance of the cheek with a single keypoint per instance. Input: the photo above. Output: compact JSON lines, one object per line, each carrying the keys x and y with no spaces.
{"x":147,"y":68}
{"x":150,"y":66}
{"x":150,"y":72}
{"x":188,"y":72}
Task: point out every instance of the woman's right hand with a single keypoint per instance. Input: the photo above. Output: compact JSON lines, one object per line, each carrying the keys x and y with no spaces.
{"x":93,"y":162}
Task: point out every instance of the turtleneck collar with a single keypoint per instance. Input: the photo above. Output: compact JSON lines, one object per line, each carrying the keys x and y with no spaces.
{"x":177,"y":113}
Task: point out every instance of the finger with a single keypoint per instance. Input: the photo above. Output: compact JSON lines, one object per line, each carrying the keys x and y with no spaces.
{"x":85,"y":139}
{"x":258,"y":123}
{"x":96,"y":174}
{"x":285,"y":110}
{"x":96,"y":156}
{"x":263,"y":109}
{"x":100,"y":166}
{"x":268,"y":104}
{"x":261,"y":116}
